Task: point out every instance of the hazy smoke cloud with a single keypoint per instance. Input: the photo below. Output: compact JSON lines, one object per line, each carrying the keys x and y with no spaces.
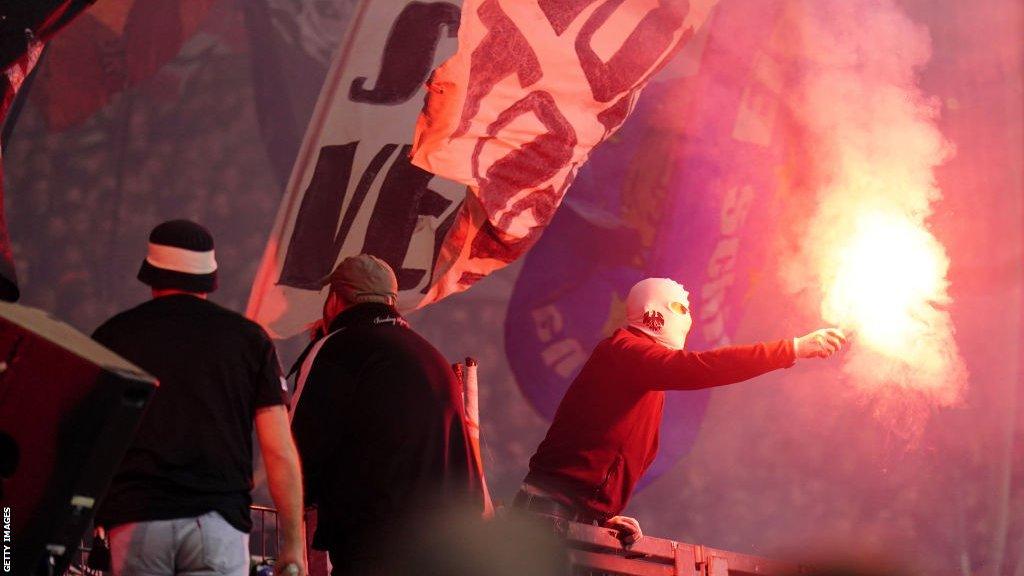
{"x":872,"y":142}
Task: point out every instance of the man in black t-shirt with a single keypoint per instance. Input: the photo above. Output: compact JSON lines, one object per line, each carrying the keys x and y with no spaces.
{"x":179,"y":502}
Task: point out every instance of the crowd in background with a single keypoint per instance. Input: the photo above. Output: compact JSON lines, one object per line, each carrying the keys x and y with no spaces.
{"x":81,"y":202}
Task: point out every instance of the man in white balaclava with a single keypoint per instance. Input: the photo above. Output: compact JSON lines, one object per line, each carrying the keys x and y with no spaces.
{"x":605,"y":433}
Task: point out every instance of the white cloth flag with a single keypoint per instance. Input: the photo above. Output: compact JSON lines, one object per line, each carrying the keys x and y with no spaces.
{"x":352,"y":188}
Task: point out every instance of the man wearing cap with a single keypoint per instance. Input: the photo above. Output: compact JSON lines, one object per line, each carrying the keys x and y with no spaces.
{"x":605,"y":431}
{"x":378,"y":421}
{"x":179,"y":502}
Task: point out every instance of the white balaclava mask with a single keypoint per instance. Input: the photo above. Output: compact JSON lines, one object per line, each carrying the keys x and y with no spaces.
{"x":660,"y":308}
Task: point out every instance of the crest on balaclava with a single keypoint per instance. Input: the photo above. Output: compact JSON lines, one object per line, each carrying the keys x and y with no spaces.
{"x":654,"y":320}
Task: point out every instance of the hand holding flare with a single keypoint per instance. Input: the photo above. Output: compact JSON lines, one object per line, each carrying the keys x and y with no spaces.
{"x":819,"y":344}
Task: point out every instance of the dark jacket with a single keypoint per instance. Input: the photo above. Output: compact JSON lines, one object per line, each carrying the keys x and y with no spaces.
{"x":380,"y":430}
{"x":605,"y":432}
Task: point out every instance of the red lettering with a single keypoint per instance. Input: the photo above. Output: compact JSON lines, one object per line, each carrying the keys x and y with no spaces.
{"x":502,"y":51}
{"x":561,"y":13}
{"x":635,"y":60}
{"x":535,"y":162}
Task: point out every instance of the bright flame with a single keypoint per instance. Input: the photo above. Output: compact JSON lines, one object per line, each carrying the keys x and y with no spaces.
{"x":886,"y":281}
{"x":870,"y":141}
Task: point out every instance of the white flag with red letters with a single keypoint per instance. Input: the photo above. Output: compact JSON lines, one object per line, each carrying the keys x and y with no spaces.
{"x":532,"y":89}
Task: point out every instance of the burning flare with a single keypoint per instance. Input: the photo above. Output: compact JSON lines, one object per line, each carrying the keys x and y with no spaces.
{"x":886,"y":283}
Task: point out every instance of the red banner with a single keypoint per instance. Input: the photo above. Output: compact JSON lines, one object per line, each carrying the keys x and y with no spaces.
{"x":115,"y":44}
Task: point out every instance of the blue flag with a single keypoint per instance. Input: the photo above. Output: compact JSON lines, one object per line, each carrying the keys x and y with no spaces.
{"x":680,"y":192}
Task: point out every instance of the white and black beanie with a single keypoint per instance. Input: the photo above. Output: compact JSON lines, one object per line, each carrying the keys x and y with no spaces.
{"x":180,"y":256}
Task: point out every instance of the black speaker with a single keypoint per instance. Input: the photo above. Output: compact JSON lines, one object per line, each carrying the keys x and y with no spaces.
{"x":68,"y":409}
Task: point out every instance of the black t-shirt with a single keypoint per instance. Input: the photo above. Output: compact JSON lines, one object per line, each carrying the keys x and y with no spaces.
{"x":192,"y":453}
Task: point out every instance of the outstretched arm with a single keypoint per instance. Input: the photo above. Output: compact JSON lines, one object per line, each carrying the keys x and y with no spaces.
{"x":659,"y":368}
{"x":284,"y":477}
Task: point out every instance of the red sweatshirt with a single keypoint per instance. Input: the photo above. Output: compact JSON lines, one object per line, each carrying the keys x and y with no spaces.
{"x":605,"y":432}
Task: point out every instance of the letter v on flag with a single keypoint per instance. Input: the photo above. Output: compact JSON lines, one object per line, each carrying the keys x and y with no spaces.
{"x":352,"y":188}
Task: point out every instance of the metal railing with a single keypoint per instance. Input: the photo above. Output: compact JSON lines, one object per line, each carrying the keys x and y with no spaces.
{"x":264,"y":543}
{"x":591,"y":550}
{"x":595,"y":551}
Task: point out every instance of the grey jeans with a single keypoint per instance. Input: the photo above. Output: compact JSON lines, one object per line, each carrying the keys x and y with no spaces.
{"x":201,"y":546}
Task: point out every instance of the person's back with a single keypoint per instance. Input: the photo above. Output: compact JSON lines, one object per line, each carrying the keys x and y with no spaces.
{"x":390,"y":402}
{"x":378,"y":423}
{"x":179,"y":501}
{"x":193,"y":448}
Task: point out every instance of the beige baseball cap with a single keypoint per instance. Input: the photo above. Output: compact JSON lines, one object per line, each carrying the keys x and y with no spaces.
{"x":364,"y":278}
